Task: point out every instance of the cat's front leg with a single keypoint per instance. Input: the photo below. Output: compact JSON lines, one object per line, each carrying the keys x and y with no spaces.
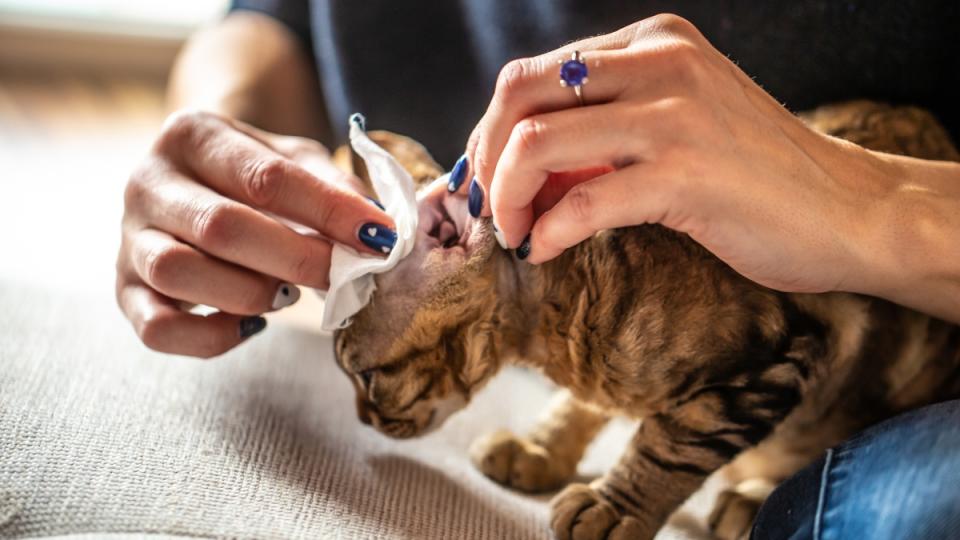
{"x":547,"y":457}
{"x":668,"y":459}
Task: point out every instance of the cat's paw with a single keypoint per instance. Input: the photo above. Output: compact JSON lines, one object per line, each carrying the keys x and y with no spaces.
{"x":518,"y":463}
{"x":579,"y":512}
{"x":733,"y":512}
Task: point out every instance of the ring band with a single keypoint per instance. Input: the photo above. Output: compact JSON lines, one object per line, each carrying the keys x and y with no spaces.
{"x":573,"y":73}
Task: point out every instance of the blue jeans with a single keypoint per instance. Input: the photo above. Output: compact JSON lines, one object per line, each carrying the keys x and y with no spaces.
{"x":898,"y":480}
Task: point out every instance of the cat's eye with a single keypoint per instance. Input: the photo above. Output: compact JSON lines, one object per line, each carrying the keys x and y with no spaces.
{"x":366,"y":377}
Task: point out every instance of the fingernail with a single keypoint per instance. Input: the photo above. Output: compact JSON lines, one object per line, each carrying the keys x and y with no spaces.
{"x":458,"y":174}
{"x":378,"y":237}
{"x":251,"y":325}
{"x":287,"y":294}
{"x":475,"y":198}
{"x":523,"y":250}
{"x":376,"y":203}
{"x":499,"y":236}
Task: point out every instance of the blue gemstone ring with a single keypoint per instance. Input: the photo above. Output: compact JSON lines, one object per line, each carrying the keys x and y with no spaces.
{"x":573,"y":73}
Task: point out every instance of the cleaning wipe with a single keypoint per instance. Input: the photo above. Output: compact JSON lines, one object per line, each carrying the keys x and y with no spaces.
{"x":351,"y":272}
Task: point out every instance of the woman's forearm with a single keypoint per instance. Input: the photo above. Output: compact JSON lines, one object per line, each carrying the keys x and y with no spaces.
{"x":252,"y":68}
{"x":911,"y":235}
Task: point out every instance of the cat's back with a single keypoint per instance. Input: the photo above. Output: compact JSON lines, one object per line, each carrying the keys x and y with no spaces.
{"x":631,"y":313}
{"x":878,"y":360}
{"x":882,"y":359}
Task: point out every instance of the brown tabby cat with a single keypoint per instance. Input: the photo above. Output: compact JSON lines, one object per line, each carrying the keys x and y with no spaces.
{"x":643,"y":322}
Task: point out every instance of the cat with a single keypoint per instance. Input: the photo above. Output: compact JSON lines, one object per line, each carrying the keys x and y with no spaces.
{"x":645,"y":323}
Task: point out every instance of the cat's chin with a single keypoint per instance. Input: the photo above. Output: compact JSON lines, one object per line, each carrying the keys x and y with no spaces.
{"x":443,"y":410}
{"x":421,"y":424}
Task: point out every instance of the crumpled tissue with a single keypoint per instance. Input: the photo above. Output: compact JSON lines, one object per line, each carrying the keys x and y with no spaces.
{"x":351,"y":272}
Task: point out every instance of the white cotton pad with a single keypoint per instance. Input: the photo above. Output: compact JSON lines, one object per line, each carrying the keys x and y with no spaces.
{"x":351,"y":273}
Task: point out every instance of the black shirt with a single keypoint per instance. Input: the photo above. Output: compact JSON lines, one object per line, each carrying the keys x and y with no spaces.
{"x":427,"y":68}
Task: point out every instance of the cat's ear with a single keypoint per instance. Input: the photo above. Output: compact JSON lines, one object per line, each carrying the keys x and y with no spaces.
{"x":411,"y":155}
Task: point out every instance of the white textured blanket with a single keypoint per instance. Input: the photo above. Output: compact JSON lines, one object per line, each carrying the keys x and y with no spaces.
{"x":100,"y":436}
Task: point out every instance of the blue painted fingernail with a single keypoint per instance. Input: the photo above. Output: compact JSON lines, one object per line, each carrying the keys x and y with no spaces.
{"x":379,"y":238}
{"x":475,"y":198}
{"x":251,"y":325}
{"x":458,"y":174}
{"x":376,"y":203}
{"x":523,"y":250}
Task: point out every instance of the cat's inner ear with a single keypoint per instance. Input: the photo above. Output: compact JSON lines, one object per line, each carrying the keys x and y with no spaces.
{"x":443,"y":216}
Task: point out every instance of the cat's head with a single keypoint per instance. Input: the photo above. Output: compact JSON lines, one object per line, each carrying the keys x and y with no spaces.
{"x":416,"y":353}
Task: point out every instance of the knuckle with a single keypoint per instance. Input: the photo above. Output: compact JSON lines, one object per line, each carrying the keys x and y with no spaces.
{"x":253,"y":301}
{"x":545,"y":235}
{"x":302,"y":145}
{"x":677,"y":112}
{"x":154,"y":329}
{"x":136,"y":189}
{"x":180,"y":126}
{"x":161,"y":265}
{"x":142,"y":180}
{"x":688,"y":62}
{"x":180,"y":123}
{"x":215,"y":225}
{"x":683,"y":51}
{"x":262,"y":180}
{"x":581,"y":203}
{"x":311,"y":266}
{"x":513,"y":77}
{"x":305,"y":269}
{"x":323,"y":215}
{"x":673,"y":23}
{"x":481,"y":163}
{"x":691,"y":123}
{"x":529,"y":134}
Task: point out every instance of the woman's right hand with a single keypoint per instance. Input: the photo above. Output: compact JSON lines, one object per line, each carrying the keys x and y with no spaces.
{"x":204,"y":223}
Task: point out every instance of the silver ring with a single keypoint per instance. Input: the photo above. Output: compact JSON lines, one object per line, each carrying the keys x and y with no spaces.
{"x":573,"y":73}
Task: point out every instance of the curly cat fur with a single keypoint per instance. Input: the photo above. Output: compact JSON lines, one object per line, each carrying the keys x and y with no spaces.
{"x":645,"y":323}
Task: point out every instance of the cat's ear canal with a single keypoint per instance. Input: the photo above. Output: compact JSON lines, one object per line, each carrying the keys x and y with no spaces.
{"x":443,"y":215}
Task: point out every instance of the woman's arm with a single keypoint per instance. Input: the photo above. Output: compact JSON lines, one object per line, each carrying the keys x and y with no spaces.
{"x":252,"y":68}
{"x":686,"y":139}
{"x":909,"y":224}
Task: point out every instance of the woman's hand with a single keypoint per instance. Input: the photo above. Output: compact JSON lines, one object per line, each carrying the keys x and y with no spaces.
{"x":679,"y":136}
{"x":205,"y":223}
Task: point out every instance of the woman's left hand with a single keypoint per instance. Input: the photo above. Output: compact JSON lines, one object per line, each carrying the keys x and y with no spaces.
{"x":679,"y":136}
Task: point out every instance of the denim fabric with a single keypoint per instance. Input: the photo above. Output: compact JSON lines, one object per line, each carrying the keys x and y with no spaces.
{"x":897,"y":480}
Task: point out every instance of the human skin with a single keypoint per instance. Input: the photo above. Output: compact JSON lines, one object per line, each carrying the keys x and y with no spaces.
{"x":209,"y":209}
{"x":677,"y":134}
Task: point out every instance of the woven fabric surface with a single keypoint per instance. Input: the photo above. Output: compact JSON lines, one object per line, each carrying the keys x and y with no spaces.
{"x":100,"y":436}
